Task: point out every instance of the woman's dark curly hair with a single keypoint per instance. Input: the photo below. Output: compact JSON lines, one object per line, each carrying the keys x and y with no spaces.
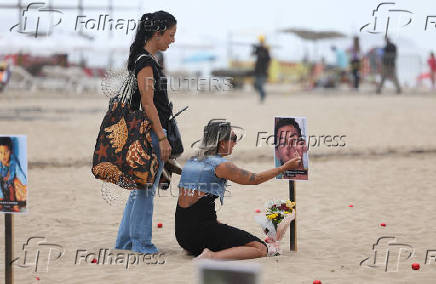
{"x":149,"y":24}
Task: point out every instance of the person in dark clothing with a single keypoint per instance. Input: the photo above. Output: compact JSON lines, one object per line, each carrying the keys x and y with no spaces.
{"x":355,"y":63}
{"x":261,"y":67}
{"x":389,"y":66}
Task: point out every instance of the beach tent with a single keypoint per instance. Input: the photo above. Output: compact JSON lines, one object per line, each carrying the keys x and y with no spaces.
{"x":313,"y":36}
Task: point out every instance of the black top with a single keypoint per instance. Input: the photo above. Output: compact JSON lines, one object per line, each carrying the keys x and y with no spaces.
{"x":160,"y":97}
{"x":262,"y":60}
{"x":390,"y":54}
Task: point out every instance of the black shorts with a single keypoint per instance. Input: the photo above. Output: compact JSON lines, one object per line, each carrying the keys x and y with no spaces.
{"x":197,"y":228}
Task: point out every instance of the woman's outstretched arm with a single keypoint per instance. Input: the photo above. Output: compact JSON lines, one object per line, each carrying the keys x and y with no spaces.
{"x":230,"y":171}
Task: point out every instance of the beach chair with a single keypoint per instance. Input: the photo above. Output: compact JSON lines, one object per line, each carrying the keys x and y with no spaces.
{"x":21,"y":79}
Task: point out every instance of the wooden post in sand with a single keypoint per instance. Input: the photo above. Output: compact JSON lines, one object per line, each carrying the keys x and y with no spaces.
{"x":293,"y":228}
{"x":9,"y":248}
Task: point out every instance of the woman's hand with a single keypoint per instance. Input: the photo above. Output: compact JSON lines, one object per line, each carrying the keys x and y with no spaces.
{"x":292,"y":164}
{"x":165,"y":150}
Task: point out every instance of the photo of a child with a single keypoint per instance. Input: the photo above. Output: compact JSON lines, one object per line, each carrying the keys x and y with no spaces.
{"x":13,"y":176}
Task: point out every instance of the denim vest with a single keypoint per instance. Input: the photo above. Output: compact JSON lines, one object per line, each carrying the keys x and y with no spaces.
{"x":200,"y":175}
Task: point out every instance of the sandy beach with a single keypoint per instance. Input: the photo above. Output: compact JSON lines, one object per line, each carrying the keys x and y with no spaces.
{"x":385,"y":170}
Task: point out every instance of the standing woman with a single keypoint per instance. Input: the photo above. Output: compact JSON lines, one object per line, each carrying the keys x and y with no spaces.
{"x":155,"y":32}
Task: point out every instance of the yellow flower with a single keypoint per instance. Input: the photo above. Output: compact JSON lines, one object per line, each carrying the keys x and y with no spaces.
{"x":272,"y":216}
{"x":290,"y":204}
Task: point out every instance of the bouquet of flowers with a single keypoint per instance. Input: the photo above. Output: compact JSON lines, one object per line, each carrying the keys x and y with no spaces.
{"x":274,"y":223}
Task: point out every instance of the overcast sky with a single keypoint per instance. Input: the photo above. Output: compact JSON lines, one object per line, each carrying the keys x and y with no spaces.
{"x":209,"y":23}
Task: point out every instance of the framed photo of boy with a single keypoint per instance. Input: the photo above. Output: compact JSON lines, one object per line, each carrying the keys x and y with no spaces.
{"x":13,"y":174}
{"x":290,"y":141}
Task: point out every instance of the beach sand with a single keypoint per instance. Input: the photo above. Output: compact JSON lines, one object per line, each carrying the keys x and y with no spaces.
{"x":386,"y":170}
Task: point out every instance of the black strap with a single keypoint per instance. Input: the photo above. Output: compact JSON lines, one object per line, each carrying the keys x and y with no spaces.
{"x":179,"y":112}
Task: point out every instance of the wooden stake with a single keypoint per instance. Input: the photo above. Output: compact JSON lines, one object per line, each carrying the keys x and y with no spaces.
{"x":9,"y":248}
{"x":293,"y":228}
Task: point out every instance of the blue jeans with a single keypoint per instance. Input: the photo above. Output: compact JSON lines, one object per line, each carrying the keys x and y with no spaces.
{"x":135,"y":228}
{"x":258,"y":86}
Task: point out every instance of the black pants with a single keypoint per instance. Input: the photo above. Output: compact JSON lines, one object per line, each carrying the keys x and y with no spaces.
{"x":197,"y":228}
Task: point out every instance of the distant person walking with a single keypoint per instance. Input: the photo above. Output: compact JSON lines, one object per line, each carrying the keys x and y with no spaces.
{"x":261,"y":67}
{"x":389,"y":68}
{"x":432,"y":65}
{"x":341,"y":64}
{"x":355,"y":63}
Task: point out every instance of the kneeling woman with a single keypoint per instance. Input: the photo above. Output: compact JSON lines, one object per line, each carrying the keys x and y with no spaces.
{"x":204,"y":179}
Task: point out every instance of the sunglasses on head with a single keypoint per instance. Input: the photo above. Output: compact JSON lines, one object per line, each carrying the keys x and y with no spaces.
{"x":234,"y":138}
